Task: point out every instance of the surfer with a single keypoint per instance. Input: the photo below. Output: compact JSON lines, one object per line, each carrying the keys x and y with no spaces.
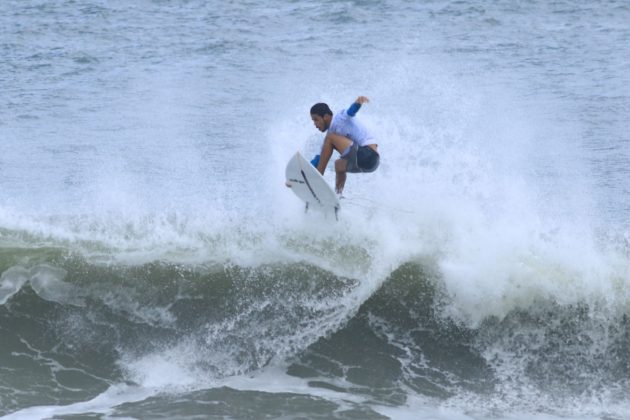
{"x":356,"y":146}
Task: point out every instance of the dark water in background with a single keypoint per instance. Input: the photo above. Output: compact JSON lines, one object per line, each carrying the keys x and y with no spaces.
{"x":153,"y":265}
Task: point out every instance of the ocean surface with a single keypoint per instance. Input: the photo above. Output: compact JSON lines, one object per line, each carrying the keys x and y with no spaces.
{"x":153,"y":265}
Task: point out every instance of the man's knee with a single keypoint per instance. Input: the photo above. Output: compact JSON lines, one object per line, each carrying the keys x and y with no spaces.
{"x":337,"y":141}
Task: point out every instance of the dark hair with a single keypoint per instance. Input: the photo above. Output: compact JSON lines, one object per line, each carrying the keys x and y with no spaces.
{"x":320,"y":109}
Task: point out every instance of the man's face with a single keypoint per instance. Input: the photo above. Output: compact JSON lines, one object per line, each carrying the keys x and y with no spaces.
{"x":322,"y":123}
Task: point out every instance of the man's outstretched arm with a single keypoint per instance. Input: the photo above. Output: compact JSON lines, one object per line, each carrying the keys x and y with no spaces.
{"x":356,"y":105}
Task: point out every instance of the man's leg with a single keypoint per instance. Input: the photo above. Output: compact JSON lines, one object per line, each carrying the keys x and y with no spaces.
{"x":332,"y":142}
{"x":340,"y":171}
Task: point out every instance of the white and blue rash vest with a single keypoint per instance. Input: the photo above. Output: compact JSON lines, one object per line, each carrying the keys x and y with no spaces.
{"x":345,"y":125}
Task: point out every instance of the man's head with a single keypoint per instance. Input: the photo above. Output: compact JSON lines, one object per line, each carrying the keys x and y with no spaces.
{"x":321,"y":116}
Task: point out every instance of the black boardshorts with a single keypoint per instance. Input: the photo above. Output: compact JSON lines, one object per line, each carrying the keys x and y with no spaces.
{"x":361,"y":159}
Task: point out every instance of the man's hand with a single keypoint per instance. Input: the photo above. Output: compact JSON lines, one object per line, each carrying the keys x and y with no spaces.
{"x":362,"y":100}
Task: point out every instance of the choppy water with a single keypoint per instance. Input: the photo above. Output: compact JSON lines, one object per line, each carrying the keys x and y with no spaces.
{"x":154,"y":266}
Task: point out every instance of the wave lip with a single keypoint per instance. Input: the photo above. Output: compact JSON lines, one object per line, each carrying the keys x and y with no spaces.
{"x":46,"y":280}
{"x":11,"y":282}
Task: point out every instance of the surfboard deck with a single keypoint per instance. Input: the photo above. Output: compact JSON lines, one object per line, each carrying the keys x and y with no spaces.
{"x":310,"y":186}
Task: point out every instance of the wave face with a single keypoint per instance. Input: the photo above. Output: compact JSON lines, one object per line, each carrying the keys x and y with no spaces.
{"x":293,"y":337}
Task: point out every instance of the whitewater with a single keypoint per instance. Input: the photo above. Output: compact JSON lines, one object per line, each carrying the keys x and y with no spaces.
{"x":153,"y":264}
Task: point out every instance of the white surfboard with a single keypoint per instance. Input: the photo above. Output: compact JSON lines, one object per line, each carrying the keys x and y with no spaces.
{"x":310,"y":186}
